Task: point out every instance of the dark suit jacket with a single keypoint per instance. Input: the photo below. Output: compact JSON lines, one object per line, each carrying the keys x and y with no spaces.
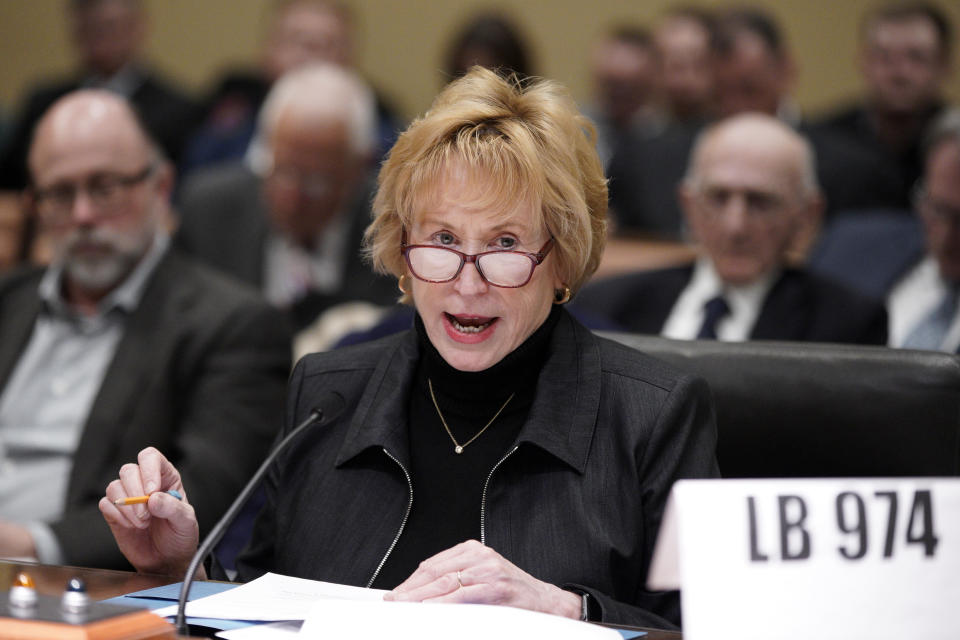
{"x":166,"y":112}
{"x":225,"y":224}
{"x":577,"y":502}
{"x":901,"y":167}
{"x":799,"y":306}
{"x":199,"y":373}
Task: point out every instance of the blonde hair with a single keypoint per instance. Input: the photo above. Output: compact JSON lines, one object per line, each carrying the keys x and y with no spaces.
{"x":528,"y":141}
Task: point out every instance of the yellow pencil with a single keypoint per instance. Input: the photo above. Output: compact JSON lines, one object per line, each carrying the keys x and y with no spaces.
{"x":123,"y":502}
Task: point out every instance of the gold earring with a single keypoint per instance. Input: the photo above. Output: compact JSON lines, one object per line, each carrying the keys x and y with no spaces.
{"x":400,"y":284}
{"x":562,"y":296}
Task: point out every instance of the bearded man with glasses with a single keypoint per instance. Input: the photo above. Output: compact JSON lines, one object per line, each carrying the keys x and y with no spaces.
{"x":121,"y":343}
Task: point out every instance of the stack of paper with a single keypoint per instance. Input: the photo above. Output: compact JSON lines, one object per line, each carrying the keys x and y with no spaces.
{"x":295,"y":606}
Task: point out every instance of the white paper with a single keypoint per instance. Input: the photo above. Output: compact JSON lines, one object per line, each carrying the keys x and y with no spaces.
{"x":422,"y":621}
{"x":271,"y":597}
{"x":287,"y":630}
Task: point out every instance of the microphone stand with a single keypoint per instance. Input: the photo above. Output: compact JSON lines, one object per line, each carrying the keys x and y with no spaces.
{"x":316,"y":415}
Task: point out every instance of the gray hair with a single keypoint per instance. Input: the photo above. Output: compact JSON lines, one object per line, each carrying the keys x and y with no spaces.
{"x":321,"y":89}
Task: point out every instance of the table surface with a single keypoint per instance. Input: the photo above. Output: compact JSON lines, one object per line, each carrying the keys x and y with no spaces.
{"x":103,"y":584}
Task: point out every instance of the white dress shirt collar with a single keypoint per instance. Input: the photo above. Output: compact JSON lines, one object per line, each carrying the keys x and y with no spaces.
{"x":745,"y":303}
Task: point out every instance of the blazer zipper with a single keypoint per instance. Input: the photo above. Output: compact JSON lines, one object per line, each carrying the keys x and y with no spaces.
{"x":483,"y":499}
{"x":402,"y":524}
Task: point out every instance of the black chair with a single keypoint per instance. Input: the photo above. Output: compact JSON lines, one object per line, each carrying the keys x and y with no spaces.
{"x":787,"y":409}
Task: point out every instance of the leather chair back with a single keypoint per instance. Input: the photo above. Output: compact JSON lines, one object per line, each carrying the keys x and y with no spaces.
{"x":823,"y":410}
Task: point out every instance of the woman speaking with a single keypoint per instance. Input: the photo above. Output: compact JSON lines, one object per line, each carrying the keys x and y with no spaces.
{"x":498,"y":452}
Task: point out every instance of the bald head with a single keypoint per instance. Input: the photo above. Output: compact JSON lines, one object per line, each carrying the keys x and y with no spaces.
{"x":765,"y":138}
{"x":100,"y":188}
{"x":749,"y":188}
{"x":94,"y":121}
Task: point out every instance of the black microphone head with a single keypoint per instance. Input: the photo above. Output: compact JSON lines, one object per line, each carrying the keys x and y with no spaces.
{"x":329,"y":406}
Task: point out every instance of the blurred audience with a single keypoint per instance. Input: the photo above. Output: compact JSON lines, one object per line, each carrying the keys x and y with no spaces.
{"x":684,"y":43}
{"x":490,"y":40}
{"x":905,"y":61}
{"x":121,"y":344}
{"x":755,"y":72}
{"x":624,"y":68}
{"x":749,"y":188}
{"x":290,"y":218}
{"x":924,"y":305}
{"x":109,"y":38}
{"x":300,"y":32}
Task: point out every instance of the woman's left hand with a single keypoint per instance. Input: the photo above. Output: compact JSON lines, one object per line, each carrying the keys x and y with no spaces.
{"x":473,"y":573}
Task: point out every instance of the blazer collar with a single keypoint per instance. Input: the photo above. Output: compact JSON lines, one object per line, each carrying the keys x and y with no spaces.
{"x":561,"y":420}
{"x":18,"y":313}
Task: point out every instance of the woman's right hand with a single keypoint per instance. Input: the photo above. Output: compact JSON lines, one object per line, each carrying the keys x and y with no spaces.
{"x":162,"y":535}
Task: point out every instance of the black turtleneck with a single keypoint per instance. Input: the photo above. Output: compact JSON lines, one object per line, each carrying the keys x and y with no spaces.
{"x":448,"y":487}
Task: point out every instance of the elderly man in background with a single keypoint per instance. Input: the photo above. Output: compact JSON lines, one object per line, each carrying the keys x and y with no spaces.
{"x":120,"y":344}
{"x":924,"y":304}
{"x":109,"y":38}
{"x":749,"y":188}
{"x":290,"y":219}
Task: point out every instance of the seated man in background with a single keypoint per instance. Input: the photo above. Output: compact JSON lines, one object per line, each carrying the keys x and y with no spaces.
{"x":290,"y":219}
{"x":684,"y":44}
{"x":749,"y":187}
{"x":121,"y":343}
{"x":624,"y":69}
{"x":905,"y":63}
{"x":924,"y":305}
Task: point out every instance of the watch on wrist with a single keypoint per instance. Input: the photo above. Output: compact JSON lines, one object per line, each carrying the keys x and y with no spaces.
{"x":584,"y":606}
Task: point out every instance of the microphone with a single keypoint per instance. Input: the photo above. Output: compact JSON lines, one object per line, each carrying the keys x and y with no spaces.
{"x":329,"y":407}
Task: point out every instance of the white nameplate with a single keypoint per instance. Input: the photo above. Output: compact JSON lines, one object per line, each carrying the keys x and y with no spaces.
{"x":832,"y":558}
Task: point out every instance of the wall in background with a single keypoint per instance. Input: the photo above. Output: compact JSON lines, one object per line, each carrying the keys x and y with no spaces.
{"x":403,"y":41}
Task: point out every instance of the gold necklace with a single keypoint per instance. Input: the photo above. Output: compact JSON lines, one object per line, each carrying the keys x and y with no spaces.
{"x":457,"y":447}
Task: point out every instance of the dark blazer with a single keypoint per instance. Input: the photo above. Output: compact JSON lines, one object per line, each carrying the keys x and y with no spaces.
{"x":799,"y":306}
{"x":166,"y":112}
{"x":199,"y":373}
{"x":225,"y":224}
{"x":902,"y":168}
{"x":577,"y":501}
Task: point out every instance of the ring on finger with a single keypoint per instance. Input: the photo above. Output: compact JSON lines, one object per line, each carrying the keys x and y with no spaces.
{"x":459,"y":581}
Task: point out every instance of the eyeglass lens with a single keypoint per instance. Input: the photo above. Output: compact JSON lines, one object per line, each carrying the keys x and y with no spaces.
{"x":503,"y":268}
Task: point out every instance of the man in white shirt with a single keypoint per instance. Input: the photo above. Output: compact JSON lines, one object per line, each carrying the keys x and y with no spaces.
{"x":750,"y":187}
{"x":923,"y":304}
